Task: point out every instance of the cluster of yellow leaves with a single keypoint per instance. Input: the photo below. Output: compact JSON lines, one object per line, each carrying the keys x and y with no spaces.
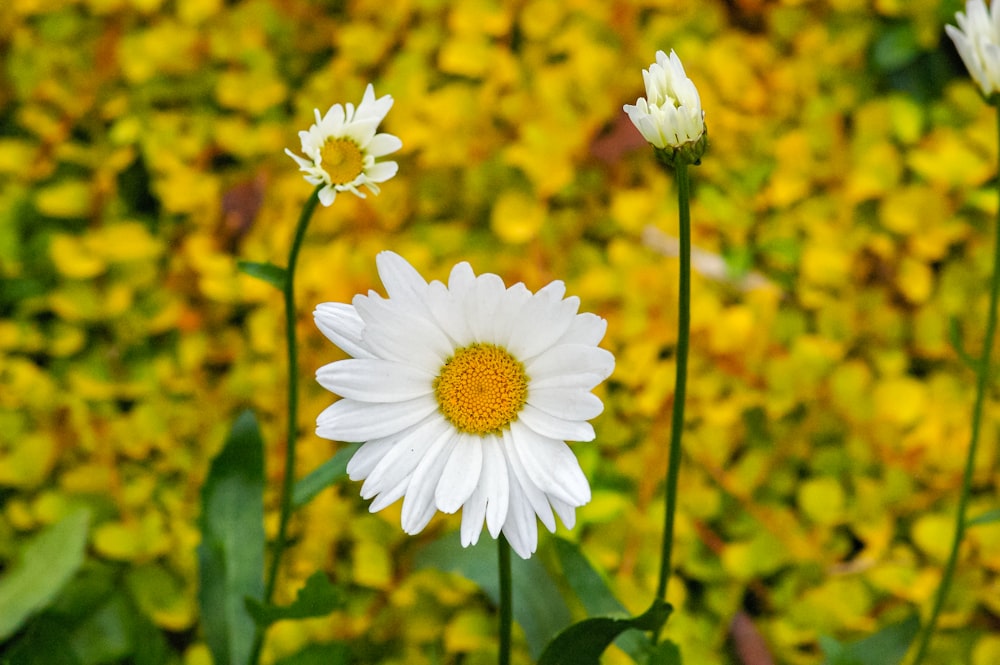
{"x":840,"y":221}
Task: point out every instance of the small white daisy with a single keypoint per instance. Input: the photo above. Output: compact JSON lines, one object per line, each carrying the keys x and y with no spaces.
{"x":669,"y":117}
{"x":465,"y":396}
{"x":342,"y":148}
{"x":977,"y":40}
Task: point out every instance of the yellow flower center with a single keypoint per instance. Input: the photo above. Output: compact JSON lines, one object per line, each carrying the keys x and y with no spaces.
{"x":481,"y":389}
{"x":342,"y":160}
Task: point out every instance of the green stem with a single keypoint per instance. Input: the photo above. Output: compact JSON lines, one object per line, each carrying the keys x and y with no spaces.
{"x":506,"y":599}
{"x":982,"y":379}
{"x":680,"y":384}
{"x":293,"y":408}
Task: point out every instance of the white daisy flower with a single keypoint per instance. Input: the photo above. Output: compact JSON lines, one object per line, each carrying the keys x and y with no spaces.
{"x":669,"y":117}
{"x":977,"y":40}
{"x":342,"y":148}
{"x":465,"y":396}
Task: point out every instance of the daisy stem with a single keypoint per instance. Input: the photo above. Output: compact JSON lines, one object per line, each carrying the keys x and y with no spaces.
{"x":288,"y":290}
{"x":982,"y":367}
{"x":506,"y":599}
{"x":680,"y":384}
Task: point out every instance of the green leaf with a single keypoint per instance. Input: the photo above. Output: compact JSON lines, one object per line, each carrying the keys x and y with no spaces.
{"x":326,"y":474}
{"x":665,"y":653}
{"x":268,"y":272}
{"x":331,"y":653}
{"x":989,"y":517}
{"x":595,"y":596}
{"x":231,"y":553}
{"x":45,"y":641}
{"x":47,"y":562}
{"x":317,"y":598}
{"x":538,"y":606}
{"x":585,"y":641}
{"x":886,"y":647}
{"x":106,"y":634}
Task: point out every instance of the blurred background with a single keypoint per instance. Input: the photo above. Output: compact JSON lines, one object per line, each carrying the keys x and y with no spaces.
{"x":842,"y":216}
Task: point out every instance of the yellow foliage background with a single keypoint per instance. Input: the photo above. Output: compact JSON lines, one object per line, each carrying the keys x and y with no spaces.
{"x":842,"y":216}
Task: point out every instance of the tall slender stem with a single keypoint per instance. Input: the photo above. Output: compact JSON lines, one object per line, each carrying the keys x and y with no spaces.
{"x":982,"y":379}
{"x":680,"y":384}
{"x":293,"y":409}
{"x":506,"y":599}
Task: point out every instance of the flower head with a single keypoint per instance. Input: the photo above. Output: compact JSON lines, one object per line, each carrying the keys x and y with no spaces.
{"x":977,"y":39}
{"x":342,"y":148}
{"x":670,"y":115}
{"x":465,"y":396}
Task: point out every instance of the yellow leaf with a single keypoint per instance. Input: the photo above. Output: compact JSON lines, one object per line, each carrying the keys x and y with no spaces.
{"x":822,"y":500}
{"x":372,"y":565}
{"x":517,"y":217}
{"x":469,"y":630}
{"x":65,"y":199}
{"x":932,"y":533}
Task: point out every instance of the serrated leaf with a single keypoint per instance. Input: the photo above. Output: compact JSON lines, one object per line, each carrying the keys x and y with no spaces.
{"x":47,"y":562}
{"x":538,"y":606}
{"x":329,"y":472}
{"x":267,"y":272}
{"x":989,"y":517}
{"x":595,"y":596}
{"x":585,"y":641}
{"x":317,"y":598}
{"x":231,"y":553}
{"x":886,"y":647}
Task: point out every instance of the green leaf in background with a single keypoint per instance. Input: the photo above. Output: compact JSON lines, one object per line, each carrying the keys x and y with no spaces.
{"x":45,"y":641}
{"x":267,"y":272}
{"x":886,"y":647}
{"x":46,"y":564}
{"x":989,"y":517}
{"x":595,"y":596}
{"x":665,"y":653}
{"x":326,"y":474}
{"x":585,"y":641}
{"x":317,"y":598}
{"x":231,"y":553}
{"x":331,"y":653}
{"x":538,"y":606}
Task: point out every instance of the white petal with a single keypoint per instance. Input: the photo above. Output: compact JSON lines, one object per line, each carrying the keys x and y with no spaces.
{"x":551,"y":466}
{"x":460,"y":476}
{"x":340,"y":323}
{"x":566,"y":512}
{"x":566,"y":404}
{"x":481,"y":305}
{"x":532,"y":492}
{"x":584,"y":382}
{"x":541,"y":324}
{"x":380,"y":172}
{"x":327,"y":195}
{"x":383,"y":144}
{"x":375,"y":380}
{"x":555,"y":428}
{"x":418,"y":504}
{"x":571,"y":359}
{"x":401,"y":280}
{"x":448,"y":314}
{"x":348,"y":420}
{"x":586,"y":328}
{"x":520,"y":527}
{"x":398,"y":463}
{"x":367,"y":456}
{"x":410,"y":341}
{"x":495,"y":482}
